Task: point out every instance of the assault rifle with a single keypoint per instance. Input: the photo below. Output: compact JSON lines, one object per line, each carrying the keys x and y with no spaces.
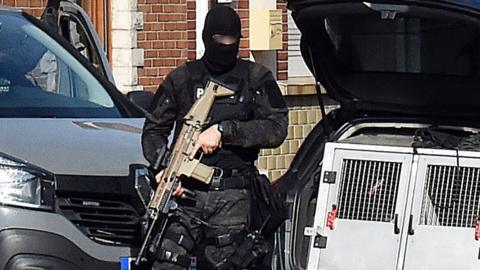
{"x":178,"y":164}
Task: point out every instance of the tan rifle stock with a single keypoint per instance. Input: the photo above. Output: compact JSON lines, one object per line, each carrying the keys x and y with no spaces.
{"x":180,"y":164}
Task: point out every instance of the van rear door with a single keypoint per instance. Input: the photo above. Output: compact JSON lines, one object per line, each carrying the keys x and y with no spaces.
{"x":360,"y":209}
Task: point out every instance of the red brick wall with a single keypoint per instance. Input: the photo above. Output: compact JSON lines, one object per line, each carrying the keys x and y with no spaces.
{"x":241,"y":6}
{"x":33,"y":7}
{"x":164,"y":39}
{"x":191,"y":28}
{"x":282,"y":55}
{"x":169,"y":37}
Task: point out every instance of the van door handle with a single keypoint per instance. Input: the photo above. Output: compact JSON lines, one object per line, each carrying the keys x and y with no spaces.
{"x":396,"y":229}
{"x":411,"y":231}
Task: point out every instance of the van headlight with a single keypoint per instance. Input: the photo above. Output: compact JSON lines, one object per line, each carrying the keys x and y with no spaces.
{"x":25,"y":185}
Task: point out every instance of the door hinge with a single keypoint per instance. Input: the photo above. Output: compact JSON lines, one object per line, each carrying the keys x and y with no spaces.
{"x":319,"y":241}
{"x":329,"y":177}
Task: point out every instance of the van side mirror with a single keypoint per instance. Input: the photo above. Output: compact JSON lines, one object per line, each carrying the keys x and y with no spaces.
{"x":143,"y":99}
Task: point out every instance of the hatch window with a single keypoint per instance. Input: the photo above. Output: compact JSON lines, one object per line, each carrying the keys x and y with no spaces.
{"x":364,"y":43}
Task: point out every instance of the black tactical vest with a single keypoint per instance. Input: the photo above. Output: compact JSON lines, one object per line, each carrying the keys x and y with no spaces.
{"x":240,"y":107}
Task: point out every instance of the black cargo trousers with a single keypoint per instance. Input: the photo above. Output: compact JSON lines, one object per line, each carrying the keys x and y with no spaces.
{"x":226,"y":215}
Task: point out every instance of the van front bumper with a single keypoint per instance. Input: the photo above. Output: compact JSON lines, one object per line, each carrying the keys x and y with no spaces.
{"x":31,"y":239}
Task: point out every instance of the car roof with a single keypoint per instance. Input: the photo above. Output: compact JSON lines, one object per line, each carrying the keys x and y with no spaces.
{"x":8,"y":9}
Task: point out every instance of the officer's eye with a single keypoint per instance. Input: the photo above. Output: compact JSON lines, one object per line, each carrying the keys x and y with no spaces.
{"x":225,"y":39}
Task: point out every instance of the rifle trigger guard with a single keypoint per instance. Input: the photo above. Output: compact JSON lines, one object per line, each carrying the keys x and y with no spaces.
{"x":200,"y":158}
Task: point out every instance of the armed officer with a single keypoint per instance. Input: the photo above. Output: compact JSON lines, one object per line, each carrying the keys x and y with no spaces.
{"x":255,"y":117}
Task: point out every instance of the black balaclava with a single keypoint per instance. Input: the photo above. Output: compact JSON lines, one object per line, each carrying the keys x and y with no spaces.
{"x":223,"y":20}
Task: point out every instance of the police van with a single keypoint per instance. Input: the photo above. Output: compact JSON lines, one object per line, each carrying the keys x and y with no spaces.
{"x":390,"y":179}
{"x":72,"y":175}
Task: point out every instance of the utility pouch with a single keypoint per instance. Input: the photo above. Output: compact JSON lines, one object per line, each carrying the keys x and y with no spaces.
{"x":268,"y":208}
{"x":250,"y":252}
